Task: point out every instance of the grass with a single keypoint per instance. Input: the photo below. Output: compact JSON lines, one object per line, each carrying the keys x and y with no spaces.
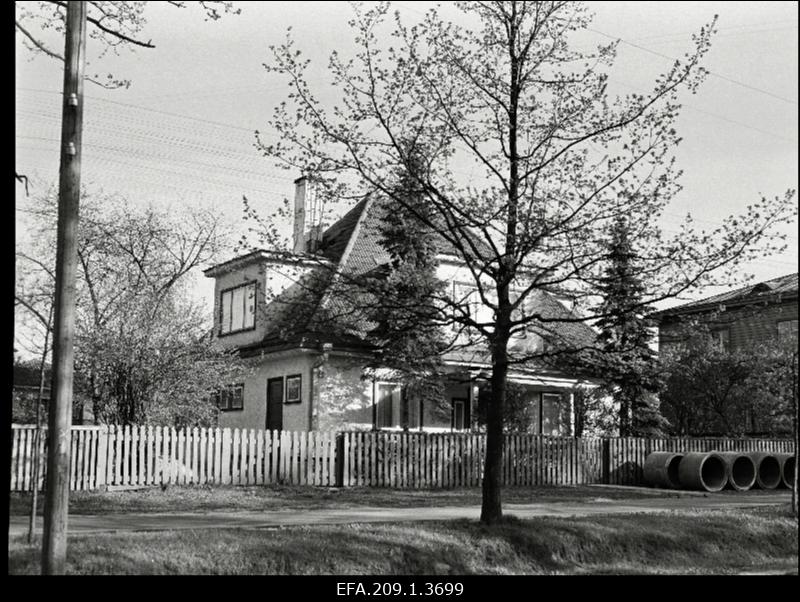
{"x":213,"y":498}
{"x":703,"y":542}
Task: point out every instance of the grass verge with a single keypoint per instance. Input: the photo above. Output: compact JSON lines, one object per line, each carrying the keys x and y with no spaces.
{"x":277,"y":497}
{"x":707,"y":542}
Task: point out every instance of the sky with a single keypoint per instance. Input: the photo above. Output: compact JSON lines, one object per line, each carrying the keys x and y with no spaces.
{"x":183,"y":133}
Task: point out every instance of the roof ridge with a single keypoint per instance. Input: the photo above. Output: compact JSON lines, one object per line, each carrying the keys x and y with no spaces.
{"x":346,"y":253}
{"x":734,"y":295}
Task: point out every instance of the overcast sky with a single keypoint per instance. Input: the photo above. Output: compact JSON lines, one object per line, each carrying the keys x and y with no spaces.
{"x":183,"y":131}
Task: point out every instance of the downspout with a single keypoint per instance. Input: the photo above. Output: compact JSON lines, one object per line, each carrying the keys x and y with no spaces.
{"x":322,"y":359}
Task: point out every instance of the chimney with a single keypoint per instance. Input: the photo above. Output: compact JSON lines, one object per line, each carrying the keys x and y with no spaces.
{"x":300,"y":193}
{"x":307,"y":215}
{"x":314,"y":238}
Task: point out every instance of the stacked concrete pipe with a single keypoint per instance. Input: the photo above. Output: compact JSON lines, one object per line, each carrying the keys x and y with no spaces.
{"x":706,"y":471}
{"x":768,"y":469}
{"x":787,"y":469}
{"x":661,"y":469}
{"x":741,"y":470}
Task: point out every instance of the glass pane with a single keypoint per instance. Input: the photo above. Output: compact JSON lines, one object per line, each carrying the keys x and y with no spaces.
{"x":293,"y":389}
{"x":787,"y":330}
{"x":397,"y":406}
{"x":550,"y":414}
{"x":237,"y":309}
{"x":415,"y":414}
{"x":250,"y":306}
{"x":458,"y":415}
{"x":388,"y":408}
{"x":226,"y":312}
{"x":383,"y":405}
{"x":237,"y":402}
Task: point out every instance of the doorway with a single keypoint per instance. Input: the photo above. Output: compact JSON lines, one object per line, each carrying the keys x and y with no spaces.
{"x":275,"y":404}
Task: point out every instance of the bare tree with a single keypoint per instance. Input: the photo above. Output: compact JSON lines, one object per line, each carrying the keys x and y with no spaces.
{"x":139,"y":332}
{"x":527,"y":162}
{"x":111,"y":25}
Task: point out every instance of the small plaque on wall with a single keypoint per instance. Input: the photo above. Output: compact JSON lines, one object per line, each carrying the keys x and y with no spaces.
{"x":293,"y":388}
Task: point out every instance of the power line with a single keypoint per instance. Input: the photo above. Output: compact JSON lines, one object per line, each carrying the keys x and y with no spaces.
{"x":138,"y":153}
{"x":193,"y":176}
{"x":717,"y":75}
{"x":157,"y":111}
{"x":720,"y":117}
{"x":724,"y":77}
{"x":749,"y":28}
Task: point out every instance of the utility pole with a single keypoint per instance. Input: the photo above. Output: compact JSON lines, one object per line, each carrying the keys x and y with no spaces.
{"x":54,"y":544}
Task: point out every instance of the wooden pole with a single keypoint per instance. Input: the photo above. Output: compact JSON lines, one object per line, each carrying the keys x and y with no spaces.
{"x":54,"y":548}
{"x":38,"y":434}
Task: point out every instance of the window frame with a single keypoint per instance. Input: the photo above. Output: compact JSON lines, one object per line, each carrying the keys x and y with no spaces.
{"x":230,"y":290}
{"x":724,"y":343}
{"x":792,"y":331}
{"x":375,"y":400}
{"x":464,"y":402}
{"x":471,"y":293}
{"x":227,"y":394}
{"x":286,"y":399}
{"x":559,"y":401}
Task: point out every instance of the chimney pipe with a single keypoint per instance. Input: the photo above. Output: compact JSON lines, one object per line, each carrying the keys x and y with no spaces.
{"x":300,"y":193}
{"x":307,"y":215}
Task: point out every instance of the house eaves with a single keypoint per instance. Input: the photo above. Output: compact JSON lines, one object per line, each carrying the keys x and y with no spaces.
{"x":777,"y":290}
{"x":261,"y":256}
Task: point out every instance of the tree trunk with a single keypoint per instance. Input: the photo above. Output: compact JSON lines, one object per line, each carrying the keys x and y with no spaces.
{"x":624,"y":414}
{"x":491,"y":507}
{"x":794,"y":428}
{"x":404,"y":408}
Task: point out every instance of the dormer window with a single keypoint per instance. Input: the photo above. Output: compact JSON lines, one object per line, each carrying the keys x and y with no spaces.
{"x":238,"y":309}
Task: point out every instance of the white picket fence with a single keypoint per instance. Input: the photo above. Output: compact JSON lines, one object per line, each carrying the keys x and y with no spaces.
{"x":140,"y":456}
{"x":104,"y":456}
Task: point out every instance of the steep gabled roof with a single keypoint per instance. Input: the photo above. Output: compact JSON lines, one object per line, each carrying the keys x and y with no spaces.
{"x":353,"y":246}
{"x":753,"y":293}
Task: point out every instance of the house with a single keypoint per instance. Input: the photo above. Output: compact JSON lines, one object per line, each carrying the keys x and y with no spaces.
{"x":277,"y":309}
{"x":754,"y":314}
{"x":25,"y":394}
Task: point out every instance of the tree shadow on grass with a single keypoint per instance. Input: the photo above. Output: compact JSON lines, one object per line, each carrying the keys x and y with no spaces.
{"x":697,"y":542}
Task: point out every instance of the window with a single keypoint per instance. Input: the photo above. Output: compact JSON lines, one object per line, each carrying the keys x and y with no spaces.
{"x":387,"y":405}
{"x":722,"y":338}
{"x":230,"y":398}
{"x":416,"y":412}
{"x":551,"y":408}
{"x":469,"y":295}
{"x":787,"y":330}
{"x":238,"y":309}
{"x":459,"y":420}
{"x":293,"y":388}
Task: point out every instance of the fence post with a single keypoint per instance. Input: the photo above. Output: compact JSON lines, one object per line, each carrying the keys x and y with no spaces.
{"x":102,"y":457}
{"x":339,"y":460}
{"x":606,"y":461}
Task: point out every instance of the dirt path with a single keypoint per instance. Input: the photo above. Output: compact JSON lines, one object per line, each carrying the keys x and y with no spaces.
{"x":281,"y":518}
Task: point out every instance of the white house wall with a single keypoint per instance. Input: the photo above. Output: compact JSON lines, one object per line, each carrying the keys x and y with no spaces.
{"x":254,"y":413}
{"x":273,"y":279}
{"x":343,"y":397}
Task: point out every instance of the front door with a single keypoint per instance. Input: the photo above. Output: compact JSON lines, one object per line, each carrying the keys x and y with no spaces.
{"x":275,"y":404}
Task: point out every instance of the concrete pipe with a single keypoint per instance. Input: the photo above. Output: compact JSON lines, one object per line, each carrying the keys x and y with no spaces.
{"x":661,"y":469}
{"x":787,"y":469}
{"x":768,"y":469}
{"x":703,"y":471}
{"x":741,"y":470}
